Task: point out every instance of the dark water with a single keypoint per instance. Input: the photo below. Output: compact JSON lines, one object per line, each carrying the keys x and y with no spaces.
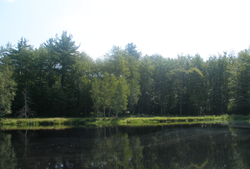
{"x":179,"y":146}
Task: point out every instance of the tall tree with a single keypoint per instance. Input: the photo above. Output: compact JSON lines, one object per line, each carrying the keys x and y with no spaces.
{"x":103,"y":91}
{"x":133,"y":82}
{"x":116,"y":63}
{"x":80,"y":81}
{"x":218,"y":84}
{"x":240,"y":88}
{"x":147,"y":86}
{"x":132,"y":51}
{"x":187,"y":78}
{"x":120,"y":97}
{"x":197,"y":87}
{"x":122,"y":65}
{"x":163,"y":83}
{"x":181,"y":73}
{"x":22,"y":61}
{"x":65,"y":50}
{"x":95,"y":94}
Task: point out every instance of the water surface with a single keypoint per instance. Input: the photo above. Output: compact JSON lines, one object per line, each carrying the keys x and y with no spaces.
{"x":177,"y":146}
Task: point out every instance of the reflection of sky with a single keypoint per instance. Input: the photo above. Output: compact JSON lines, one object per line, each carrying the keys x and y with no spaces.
{"x":160,"y":26}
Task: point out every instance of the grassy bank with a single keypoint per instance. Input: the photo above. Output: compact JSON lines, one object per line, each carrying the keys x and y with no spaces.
{"x":121,"y":120}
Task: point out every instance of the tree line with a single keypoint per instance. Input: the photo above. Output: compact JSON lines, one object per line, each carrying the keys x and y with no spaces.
{"x":61,"y":81}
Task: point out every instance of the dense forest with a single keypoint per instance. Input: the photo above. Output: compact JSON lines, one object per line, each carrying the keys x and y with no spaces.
{"x":56,"y":80}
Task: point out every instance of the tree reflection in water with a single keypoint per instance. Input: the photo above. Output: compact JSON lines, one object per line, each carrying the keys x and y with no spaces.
{"x":7,"y":154}
{"x":117,"y":151}
{"x":194,"y":146}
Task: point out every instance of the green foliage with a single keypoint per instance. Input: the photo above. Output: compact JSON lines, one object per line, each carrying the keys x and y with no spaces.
{"x":217,"y":80}
{"x":131,"y":51}
{"x":103,"y":91}
{"x":195,"y":70}
{"x":95,"y":94}
{"x":240,"y":93}
{"x":63,"y":51}
{"x":147,"y":85}
{"x":133,"y":81}
{"x":61,"y":81}
{"x":120,"y":101}
{"x":7,"y":90}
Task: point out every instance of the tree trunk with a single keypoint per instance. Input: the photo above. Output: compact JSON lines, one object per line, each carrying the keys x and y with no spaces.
{"x":25,"y":105}
{"x":85,"y":105}
{"x":104,"y":112}
{"x":104,"y":128}
{"x":161,"y":106}
{"x":180,"y":100}
{"x":62,"y":80}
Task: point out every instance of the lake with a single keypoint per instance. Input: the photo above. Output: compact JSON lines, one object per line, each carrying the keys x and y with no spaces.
{"x":168,"y":146}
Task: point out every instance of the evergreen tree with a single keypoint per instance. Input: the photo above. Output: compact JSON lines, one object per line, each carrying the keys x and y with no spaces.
{"x":65,"y":50}
{"x":22,"y":61}
{"x":131,"y":50}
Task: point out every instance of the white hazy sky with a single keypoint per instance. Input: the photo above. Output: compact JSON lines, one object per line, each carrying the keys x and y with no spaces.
{"x":158,"y":26}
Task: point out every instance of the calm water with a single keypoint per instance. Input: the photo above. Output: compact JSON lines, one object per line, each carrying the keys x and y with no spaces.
{"x":179,"y":146}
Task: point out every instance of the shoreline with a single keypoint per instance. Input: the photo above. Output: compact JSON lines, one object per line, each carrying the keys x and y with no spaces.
{"x":60,"y":122}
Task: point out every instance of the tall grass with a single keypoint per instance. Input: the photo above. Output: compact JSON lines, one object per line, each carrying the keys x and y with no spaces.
{"x":122,"y":120}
